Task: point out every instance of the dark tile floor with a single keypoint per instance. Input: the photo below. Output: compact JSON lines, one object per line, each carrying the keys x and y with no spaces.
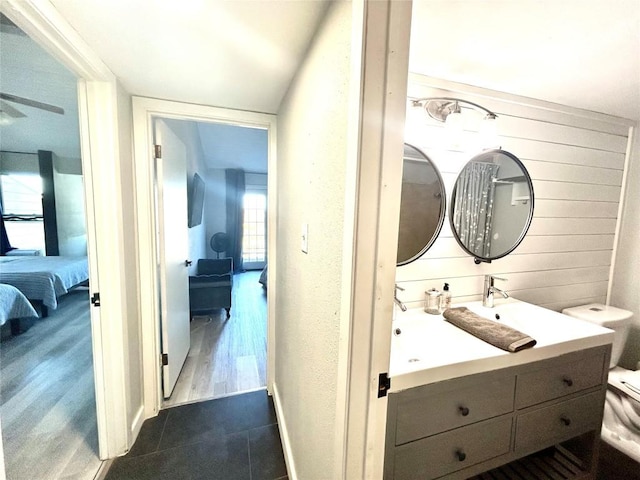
{"x":232,"y":438}
{"x":615,"y":465}
{"x":237,"y":438}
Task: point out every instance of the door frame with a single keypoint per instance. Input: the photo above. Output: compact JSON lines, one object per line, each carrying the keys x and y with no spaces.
{"x":145,"y":110}
{"x":101,"y":162}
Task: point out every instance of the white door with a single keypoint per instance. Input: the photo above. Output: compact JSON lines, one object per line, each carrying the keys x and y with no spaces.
{"x":173,"y":259}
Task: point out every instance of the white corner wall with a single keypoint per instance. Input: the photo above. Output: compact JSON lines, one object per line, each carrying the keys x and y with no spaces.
{"x":576,"y":160}
{"x":625,"y":291}
{"x":312,"y":153}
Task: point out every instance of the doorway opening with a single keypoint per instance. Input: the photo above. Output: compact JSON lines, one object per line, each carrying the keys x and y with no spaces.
{"x":227,"y":257}
{"x":47,"y":384}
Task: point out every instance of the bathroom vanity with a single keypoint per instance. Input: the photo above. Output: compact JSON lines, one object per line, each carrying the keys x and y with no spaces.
{"x":459,"y":407}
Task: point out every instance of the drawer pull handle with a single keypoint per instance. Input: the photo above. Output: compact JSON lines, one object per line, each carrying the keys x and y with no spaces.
{"x":567,"y":381}
{"x":460,"y":455}
{"x":566,"y":421}
{"x":464,"y":411}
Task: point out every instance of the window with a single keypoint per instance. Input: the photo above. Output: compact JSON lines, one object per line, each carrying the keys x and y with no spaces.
{"x":21,"y":195}
{"x":254,"y":249}
{"x":22,"y":210}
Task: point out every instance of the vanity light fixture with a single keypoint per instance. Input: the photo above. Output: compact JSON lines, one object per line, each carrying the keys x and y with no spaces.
{"x":5,"y":119}
{"x":448,"y":111}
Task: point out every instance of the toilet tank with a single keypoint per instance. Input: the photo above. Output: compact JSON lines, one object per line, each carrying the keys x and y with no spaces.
{"x":606,"y":316}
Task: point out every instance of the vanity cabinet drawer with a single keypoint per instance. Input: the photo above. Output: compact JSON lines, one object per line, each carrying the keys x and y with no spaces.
{"x":546,"y":426}
{"x":450,"y":451}
{"x":426,"y":414}
{"x":559,"y":380}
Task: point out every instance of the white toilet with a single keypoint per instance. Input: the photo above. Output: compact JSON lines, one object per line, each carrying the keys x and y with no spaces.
{"x":621,"y":424}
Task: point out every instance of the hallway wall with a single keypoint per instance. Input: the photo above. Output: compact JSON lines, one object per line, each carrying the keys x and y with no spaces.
{"x":312,"y":152}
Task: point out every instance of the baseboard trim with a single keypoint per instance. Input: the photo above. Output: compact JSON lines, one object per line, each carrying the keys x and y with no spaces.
{"x":136,"y":425}
{"x":284,"y":435}
{"x":101,"y":474}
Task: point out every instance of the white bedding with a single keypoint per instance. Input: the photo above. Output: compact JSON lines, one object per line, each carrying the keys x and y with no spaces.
{"x":44,"y":279}
{"x":13,"y":304}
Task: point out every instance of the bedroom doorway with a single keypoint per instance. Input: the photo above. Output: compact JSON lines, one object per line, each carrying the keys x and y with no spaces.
{"x":228,"y":341}
{"x":205,"y":125}
{"x":47,"y":382}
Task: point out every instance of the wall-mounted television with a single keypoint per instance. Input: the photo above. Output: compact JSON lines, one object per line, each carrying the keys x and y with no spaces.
{"x":196,"y":201}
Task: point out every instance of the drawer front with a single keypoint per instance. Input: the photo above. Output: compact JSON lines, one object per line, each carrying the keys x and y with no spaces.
{"x":554,"y":382}
{"x":450,"y":451}
{"x":546,"y":426}
{"x":419,"y":417}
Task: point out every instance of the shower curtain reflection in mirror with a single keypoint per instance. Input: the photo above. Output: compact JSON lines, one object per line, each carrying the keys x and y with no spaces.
{"x":473,"y":206}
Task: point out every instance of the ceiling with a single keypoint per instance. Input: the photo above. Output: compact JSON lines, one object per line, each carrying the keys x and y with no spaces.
{"x":28,"y":71}
{"x":230,"y":146}
{"x":581,"y":53}
{"x":226,"y":53}
{"x":243,"y":55}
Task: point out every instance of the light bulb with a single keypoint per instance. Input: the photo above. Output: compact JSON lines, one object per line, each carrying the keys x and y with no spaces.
{"x":454,"y":126}
{"x":5,"y":119}
{"x":489,"y":132}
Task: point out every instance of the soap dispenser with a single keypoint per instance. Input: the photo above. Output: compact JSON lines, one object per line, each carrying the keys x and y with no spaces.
{"x":445,"y":298}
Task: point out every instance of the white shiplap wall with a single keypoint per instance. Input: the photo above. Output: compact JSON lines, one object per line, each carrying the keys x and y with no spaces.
{"x":576,"y":162}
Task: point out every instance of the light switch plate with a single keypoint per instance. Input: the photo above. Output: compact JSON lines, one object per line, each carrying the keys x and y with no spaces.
{"x":305,"y":238}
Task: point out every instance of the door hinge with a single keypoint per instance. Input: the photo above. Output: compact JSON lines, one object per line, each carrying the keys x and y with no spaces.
{"x":157,"y":151}
{"x":384,"y":384}
{"x":95,"y":299}
{"x":165,"y":359}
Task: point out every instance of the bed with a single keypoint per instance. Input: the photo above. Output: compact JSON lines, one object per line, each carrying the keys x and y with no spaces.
{"x":44,"y":279}
{"x":263,"y":278}
{"x":14,"y":306}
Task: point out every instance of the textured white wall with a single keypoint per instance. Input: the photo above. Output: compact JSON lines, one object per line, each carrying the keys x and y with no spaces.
{"x":626,"y":280}
{"x":312,"y":148}
{"x":576,"y":164}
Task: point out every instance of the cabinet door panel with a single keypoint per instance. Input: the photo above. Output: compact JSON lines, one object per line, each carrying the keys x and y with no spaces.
{"x":450,"y":451}
{"x":554,"y":382}
{"x":546,"y":426}
{"x":422,"y":416}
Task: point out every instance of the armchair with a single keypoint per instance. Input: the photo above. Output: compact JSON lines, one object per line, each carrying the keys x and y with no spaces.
{"x":210,"y":288}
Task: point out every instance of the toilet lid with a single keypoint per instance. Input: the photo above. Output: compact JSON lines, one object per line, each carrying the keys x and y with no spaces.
{"x":632,"y":381}
{"x":626,"y":381}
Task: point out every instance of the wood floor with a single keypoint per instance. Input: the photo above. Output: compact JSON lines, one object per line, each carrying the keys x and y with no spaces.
{"x":47,"y":398}
{"x":227,"y":355}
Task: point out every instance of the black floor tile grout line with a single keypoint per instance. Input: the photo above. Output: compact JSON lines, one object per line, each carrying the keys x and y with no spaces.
{"x":164,"y":425}
{"x":249,"y":454}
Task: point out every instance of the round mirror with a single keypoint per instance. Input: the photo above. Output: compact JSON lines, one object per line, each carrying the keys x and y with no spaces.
{"x":422,"y":205}
{"x":491,"y":205}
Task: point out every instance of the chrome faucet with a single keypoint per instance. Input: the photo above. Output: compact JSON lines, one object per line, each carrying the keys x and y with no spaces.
{"x":490,"y":289}
{"x":402,"y":306}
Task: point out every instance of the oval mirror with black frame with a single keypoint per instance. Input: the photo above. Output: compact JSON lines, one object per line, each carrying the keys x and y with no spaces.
{"x":491,"y":205}
{"x":422,"y":205}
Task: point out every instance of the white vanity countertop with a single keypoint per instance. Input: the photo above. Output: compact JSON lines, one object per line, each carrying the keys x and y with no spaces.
{"x":429,"y":349}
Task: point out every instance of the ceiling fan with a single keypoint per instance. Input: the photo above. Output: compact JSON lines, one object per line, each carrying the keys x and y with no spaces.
{"x":9,"y":111}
